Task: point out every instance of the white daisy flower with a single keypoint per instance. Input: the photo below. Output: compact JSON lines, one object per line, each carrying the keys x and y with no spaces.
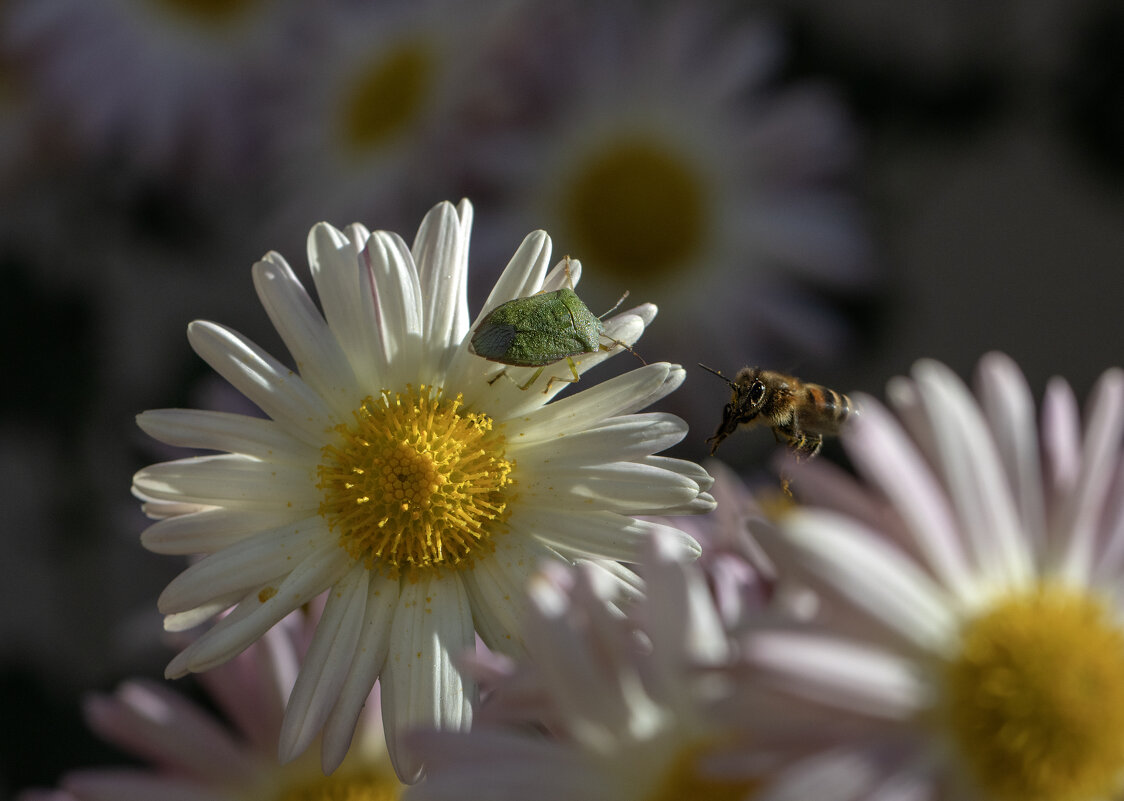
{"x":152,"y":80}
{"x":367,"y":105}
{"x":401,"y":472}
{"x":631,"y":715}
{"x":669,"y":162}
{"x":979,"y":652}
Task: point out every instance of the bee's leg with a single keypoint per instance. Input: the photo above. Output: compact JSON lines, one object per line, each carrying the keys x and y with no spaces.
{"x":805,"y":446}
{"x":553,"y":378}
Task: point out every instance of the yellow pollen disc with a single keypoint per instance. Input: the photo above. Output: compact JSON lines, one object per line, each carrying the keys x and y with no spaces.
{"x":636,"y":207}
{"x":386,"y":98}
{"x":371,"y":786}
{"x":1035,"y":698}
{"x":415,"y":482}
{"x":682,"y":780}
{"x":207,"y":12}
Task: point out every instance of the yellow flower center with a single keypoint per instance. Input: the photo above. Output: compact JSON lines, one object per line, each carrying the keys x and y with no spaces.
{"x":372,"y":786}
{"x":1035,"y":698}
{"x":415,"y":483}
{"x":207,"y":12}
{"x":636,"y":207}
{"x":682,"y":780}
{"x":387,"y":97}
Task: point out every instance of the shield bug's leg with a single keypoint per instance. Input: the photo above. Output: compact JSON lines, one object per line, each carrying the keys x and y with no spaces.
{"x":553,"y":378}
{"x":531,"y":380}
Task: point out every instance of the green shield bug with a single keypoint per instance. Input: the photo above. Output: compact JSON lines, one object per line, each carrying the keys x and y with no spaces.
{"x":539,"y":330}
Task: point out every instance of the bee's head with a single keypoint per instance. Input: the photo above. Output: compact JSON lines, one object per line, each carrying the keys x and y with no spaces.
{"x":745,"y":403}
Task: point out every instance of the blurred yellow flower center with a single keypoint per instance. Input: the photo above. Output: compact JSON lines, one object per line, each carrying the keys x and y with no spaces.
{"x":682,"y":780}
{"x":386,"y":98}
{"x":372,"y":786}
{"x":207,"y":12}
{"x":1035,"y":700}
{"x":636,"y":207}
{"x":415,"y":482}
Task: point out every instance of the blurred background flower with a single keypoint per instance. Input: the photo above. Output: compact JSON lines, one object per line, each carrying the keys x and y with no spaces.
{"x":223,"y":747}
{"x":147,"y":158}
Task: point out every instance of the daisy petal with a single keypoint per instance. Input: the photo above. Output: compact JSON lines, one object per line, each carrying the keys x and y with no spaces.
{"x":260,"y":611}
{"x":590,"y":406}
{"x":617,"y":438}
{"x":276,"y":390}
{"x":222,"y":431}
{"x":231,"y":480}
{"x":243,"y":565}
{"x":441,"y":254}
{"x":314,"y":348}
{"x":374,"y":642}
{"x":421,"y":685}
{"x":846,"y":675}
{"x":347,"y":299}
{"x":497,"y":589}
{"x":326,"y":664}
{"x":872,"y":575}
{"x":208,"y":530}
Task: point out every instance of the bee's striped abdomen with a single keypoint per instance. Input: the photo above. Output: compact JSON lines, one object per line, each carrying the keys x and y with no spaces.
{"x":825,"y":410}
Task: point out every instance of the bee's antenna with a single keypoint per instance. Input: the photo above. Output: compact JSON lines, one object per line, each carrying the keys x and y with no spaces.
{"x":719,"y":374}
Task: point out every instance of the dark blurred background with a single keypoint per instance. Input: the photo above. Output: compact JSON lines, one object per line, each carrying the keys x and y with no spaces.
{"x":834,"y":189}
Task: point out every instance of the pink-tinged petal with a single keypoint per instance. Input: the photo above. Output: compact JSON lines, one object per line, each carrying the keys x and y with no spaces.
{"x":326,"y":664}
{"x":973,"y":475}
{"x":252,"y":688}
{"x":871,"y":574}
{"x":421,"y":686}
{"x":348,"y":300}
{"x":136,"y":785}
{"x":1061,"y":443}
{"x":150,"y":721}
{"x":1005,"y":397}
{"x":441,"y":254}
{"x":273,"y":387}
{"x":839,"y":774}
{"x":208,"y":530}
{"x":1109,"y":566}
{"x":510,"y":766}
{"x":248,"y":564}
{"x":320,"y":360}
{"x":258,"y":612}
{"x":222,"y":431}
{"x":842,"y":674}
{"x":370,"y":656}
{"x":886,"y":457}
{"x":391,"y":279}
{"x":681,"y":618}
{"x":584,"y":682}
{"x":1081,"y":515}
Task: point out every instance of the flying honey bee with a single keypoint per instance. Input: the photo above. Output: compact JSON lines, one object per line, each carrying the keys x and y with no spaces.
{"x":800,"y":412}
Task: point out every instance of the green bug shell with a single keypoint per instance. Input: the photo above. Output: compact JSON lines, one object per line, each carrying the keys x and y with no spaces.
{"x":537,"y":330}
